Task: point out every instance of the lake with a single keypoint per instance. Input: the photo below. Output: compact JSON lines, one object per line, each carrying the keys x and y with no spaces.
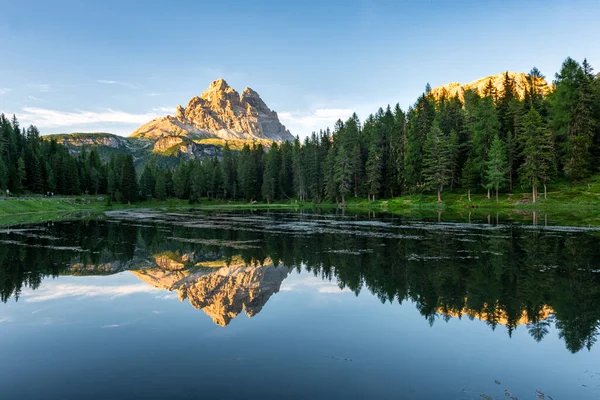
{"x":186,"y":305}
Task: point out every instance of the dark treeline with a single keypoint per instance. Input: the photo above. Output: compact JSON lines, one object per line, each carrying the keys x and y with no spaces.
{"x":508,"y":277}
{"x":29,"y":164}
{"x":490,"y":142}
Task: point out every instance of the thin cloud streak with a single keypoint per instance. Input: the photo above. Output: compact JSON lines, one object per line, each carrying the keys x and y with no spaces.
{"x":303,"y":124}
{"x":53,"y":118}
{"x":4,"y":91}
{"x":42,"y":87}
{"x":318,"y":117}
{"x":124,"y":84}
{"x":164,"y":109}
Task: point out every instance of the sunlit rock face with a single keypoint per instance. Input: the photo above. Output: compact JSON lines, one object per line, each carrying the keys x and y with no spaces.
{"x":222,"y":290}
{"x":220,"y":112}
{"x":521,"y":83}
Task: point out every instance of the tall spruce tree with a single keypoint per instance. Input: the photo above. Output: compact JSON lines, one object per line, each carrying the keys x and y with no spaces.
{"x":373,"y":171}
{"x":129,"y":187}
{"x":437,"y":160}
{"x":343,"y":174}
{"x":537,"y":153}
{"x":496,"y":165}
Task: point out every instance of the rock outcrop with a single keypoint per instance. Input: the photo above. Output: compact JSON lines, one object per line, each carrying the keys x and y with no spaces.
{"x":522,"y":85}
{"x":220,"y":112}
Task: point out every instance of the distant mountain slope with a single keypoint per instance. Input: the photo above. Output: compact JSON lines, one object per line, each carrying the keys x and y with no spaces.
{"x":166,"y":150}
{"x":220,"y":112}
{"x":521,"y":85}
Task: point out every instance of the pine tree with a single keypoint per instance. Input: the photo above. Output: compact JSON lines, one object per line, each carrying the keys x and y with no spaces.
{"x":331,"y":190}
{"x":482,"y":124}
{"x":343,"y":174}
{"x":373,"y":171}
{"x":419,"y":123}
{"x":497,"y":165}
{"x":398,"y":147}
{"x":469,"y":176}
{"x":21,"y":175}
{"x":129,"y":189}
{"x":229,"y":164}
{"x":147,"y":182}
{"x":571,"y":118}
{"x":270,"y":187}
{"x":437,"y":160}
{"x":161,"y":186}
{"x":537,"y":153}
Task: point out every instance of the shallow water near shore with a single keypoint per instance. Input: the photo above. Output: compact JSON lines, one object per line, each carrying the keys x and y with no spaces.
{"x":146,"y":304}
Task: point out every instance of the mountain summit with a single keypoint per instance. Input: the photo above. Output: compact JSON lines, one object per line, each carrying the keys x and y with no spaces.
{"x":219,"y":112}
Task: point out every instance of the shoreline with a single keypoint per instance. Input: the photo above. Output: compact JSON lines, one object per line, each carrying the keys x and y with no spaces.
{"x":577,"y":212}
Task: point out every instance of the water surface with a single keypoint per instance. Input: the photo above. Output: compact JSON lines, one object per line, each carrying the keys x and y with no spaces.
{"x":142,"y":304}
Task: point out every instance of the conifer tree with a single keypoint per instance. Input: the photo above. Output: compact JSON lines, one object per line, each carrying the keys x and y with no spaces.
{"x":373,"y":172}
{"x":331,"y":190}
{"x":469,"y":176}
{"x":343,"y":174}
{"x":129,"y":188}
{"x":537,"y":153}
{"x":160,"y":189}
{"x":437,"y":160}
{"x":270,"y":187}
{"x":497,"y":165}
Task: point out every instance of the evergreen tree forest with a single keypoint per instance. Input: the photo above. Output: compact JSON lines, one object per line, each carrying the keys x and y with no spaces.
{"x":492,"y":143}
{"x":31,"y":165}
{"x":495,"y":143}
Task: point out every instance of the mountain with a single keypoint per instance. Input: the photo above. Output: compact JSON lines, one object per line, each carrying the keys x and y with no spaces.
{"x":521,"y":86}
{"x":220,"y":112}
{"x":218,"y":115}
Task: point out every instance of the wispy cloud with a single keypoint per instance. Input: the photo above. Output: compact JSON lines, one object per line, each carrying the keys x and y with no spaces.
{"x":152,"y":94}
{"x":4,"y":91}
{"x":315,"y":120}
{"x":42,"y":87}
{"x":164,"y":109}
{"x":59,"y":291}
{"x":35,"y":98}
{"x":53,"y":118}
{"x":120,"y":83}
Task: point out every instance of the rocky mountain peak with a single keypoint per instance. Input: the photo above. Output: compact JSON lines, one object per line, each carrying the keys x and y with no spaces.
{"x":221,"y":112}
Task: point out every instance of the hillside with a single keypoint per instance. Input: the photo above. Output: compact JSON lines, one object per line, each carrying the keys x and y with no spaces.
{"x":167,"y":151}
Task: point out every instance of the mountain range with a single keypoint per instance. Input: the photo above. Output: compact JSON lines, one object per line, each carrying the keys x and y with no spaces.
{"x":221,"y":115}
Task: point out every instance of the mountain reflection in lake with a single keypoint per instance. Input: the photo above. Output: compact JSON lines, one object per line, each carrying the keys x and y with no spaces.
{"x":383,"y":307}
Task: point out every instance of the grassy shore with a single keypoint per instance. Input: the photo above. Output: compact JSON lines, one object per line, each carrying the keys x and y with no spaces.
{"x":573,"y":204}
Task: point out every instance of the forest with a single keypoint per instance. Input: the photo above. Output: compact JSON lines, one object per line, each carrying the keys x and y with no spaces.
{"x":494,"y":142}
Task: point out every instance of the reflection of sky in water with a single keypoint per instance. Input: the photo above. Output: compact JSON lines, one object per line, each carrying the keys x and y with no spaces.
{"x":116,"y":337}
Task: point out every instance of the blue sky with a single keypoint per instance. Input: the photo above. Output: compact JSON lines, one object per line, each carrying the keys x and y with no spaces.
{"x":112,"y":65}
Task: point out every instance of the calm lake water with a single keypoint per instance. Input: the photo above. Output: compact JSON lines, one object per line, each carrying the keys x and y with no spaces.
{"x":149,"y":305}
